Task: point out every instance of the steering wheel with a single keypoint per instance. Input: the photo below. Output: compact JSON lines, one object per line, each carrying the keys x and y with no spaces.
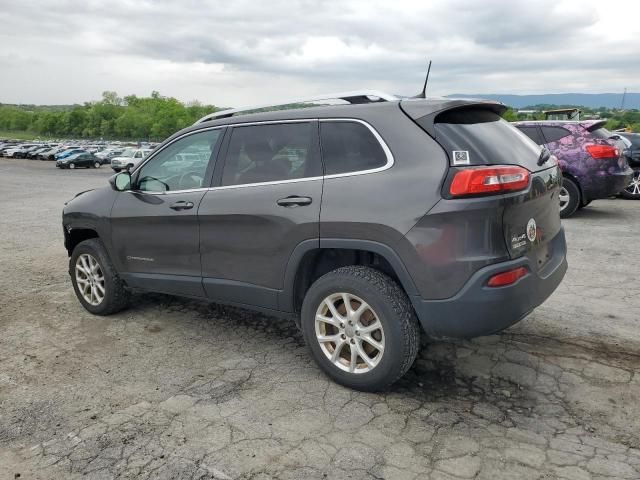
{"x":193,"y":179}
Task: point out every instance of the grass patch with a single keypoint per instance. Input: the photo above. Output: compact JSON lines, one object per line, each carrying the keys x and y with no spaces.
{"x":21,"y":136}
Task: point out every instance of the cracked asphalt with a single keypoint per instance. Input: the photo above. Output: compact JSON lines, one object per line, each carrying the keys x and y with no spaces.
{"x":177,"y":389}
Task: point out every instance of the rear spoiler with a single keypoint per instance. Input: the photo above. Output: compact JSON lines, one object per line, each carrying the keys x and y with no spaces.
{"x":425,"y":112}
{"x":590,"y":127}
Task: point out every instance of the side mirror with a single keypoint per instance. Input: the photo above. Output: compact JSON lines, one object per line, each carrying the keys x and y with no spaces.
{"x":121,"y":181}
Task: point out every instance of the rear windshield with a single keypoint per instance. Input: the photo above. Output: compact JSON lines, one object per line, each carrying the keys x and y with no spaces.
{"x":481,"y":137}
{"x":601,"y":133}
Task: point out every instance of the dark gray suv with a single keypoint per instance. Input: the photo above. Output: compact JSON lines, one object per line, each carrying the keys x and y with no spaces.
{"x":362,"y":222}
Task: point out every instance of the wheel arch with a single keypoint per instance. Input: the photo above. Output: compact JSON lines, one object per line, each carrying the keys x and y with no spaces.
{"x":73,"y":236}
{"x":312,"y":259}
{"x":575,"y":180}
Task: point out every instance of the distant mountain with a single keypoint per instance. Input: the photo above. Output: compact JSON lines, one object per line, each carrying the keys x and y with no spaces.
{"x":591,"y":100}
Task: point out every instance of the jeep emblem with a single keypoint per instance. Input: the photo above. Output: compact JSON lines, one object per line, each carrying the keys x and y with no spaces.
{"x":531,"y":230}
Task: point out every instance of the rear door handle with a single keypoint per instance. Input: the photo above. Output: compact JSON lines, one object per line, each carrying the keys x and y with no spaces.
{"x":181,"y":205}
{"x":294,"y":201}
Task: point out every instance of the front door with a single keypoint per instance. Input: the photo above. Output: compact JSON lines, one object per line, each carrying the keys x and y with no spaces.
{"x":155,"y":231}
{"x":266,"y":202}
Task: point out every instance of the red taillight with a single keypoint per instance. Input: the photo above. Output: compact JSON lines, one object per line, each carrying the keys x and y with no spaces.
{"x":507,"y":278}
{"x":602,"y":151}
{"x":481,"y":180}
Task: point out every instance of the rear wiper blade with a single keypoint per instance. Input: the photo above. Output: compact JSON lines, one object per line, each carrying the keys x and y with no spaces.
{"x":545,"y":154}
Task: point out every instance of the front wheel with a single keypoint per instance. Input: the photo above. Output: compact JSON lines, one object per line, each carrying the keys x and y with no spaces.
{"x":569,"y":198}
{"x":632,"y":192}
{"x":72,"y":166}
{"x":360,"y":327}
{"x":95,"y":280}
{"x":97,"y":165}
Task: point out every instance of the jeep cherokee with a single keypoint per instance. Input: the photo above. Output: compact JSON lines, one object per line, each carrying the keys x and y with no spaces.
{"x":363,"y":222}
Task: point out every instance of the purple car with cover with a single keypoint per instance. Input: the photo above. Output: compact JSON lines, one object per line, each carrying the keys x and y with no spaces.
{"x":592,"y":165}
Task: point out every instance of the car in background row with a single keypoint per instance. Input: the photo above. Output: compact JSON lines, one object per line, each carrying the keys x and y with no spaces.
{"x":592,"y":166}
{"x":129,"y":159}
{"x":80,"y":159}
{"x":633,"y":157}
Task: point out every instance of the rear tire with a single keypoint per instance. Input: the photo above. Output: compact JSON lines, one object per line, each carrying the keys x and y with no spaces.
{"x":97,"y":165}
{"x":569,"y":198}
{"x":114,"y":295}
{"x":632,"y":191}
{"x":390,"y":348}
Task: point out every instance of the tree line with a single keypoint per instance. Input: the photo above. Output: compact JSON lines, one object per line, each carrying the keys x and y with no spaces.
{"x":125,"y":118}
{"x":156,"y":117}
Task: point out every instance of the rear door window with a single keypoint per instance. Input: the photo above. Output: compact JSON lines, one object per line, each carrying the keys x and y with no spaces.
{"x":533,"y":132}
{"x":553,"y":134}
{"x":349,"y":146}
{"x":271,"y":153}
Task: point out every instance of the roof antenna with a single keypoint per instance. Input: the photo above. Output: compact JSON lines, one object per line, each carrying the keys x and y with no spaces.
{"x":423,"y":94}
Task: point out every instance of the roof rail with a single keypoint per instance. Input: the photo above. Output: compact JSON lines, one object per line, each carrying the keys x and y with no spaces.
{"x":358,"y":96}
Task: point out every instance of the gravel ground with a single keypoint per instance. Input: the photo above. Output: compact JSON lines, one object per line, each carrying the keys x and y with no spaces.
{"x":173,"y":388}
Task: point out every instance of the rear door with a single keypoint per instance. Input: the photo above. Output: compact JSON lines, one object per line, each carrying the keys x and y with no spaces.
{"x":266,"y":201}
{"x":531,"y":219}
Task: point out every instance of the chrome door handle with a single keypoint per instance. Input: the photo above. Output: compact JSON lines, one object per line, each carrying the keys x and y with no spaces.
{"x":182,"y":206}
{"x":294,"y":201}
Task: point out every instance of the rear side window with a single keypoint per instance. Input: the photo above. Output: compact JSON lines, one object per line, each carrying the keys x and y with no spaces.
{"x":269,"y":153}
{"x":553,"y":134}
{"x":478,"y":136}
{"x":533,"y":132}
{"x":349,"y":147}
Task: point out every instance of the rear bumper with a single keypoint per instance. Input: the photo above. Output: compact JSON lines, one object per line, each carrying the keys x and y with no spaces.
{"x":607,"y":185}
{"x":480,"y":310}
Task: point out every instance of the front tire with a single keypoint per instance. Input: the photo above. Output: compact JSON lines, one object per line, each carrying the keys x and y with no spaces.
{"x":72,"y":166}
{"x":569,"y":198}
{"x":97,"y":165}
{"x":95,"y":280}
{"x":360,"y":327}
{"x":632,"y":191}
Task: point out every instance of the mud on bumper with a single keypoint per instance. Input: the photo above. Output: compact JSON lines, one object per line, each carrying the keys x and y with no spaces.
{"x":481,"y":310}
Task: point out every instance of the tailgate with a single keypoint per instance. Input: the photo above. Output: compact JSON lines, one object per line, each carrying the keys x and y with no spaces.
{"x":531,"y":219}
{"x":475,"y":135}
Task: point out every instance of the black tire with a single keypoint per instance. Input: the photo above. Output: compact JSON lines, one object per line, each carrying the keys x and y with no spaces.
{"x":97,"y":164}
{"x":632,"y":191}
{"x":116,"y":296}
{"x":117,"y":170}
{"x":394,"y":311}
{"x":573,"y":191}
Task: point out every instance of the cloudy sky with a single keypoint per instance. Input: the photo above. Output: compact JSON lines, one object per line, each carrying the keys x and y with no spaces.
{"x":232,"y":53}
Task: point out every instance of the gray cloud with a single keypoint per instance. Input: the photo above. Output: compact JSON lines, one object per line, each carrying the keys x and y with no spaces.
{"x":239,"y":52}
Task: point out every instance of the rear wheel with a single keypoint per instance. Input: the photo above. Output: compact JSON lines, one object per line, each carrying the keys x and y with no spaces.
{"x":569,"y":197}
{"x":95,"y":280}
{"x":97,"y":164}
{"x":632,"y":192}
{"x":360,"y":327}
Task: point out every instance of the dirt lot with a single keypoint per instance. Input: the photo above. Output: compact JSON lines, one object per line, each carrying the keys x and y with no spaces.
{"x":174,"y":388}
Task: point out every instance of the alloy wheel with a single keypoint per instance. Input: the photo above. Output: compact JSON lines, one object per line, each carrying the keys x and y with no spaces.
{"x":90,"y":279}
{"x":564,"y":198}
{"x":634,"y":186}
{"x":349,"y":332}
{"x":72,"y":165}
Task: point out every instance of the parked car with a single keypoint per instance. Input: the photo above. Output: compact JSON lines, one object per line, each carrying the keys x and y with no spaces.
{"x":68,"y":152}
{"x":130,"y":158}
{"x":80,"y":159}
{"x":33,"y":153}
{"x":592,"y":167}
{"x":19,"y":151}
{"x":632,"y":191}
{"x":50,"y":153}
{"x":106,"y":155}
{"x":362,"y":222}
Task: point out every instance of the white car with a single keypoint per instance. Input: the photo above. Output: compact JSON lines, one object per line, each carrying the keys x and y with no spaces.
{"x":129,"y":159}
